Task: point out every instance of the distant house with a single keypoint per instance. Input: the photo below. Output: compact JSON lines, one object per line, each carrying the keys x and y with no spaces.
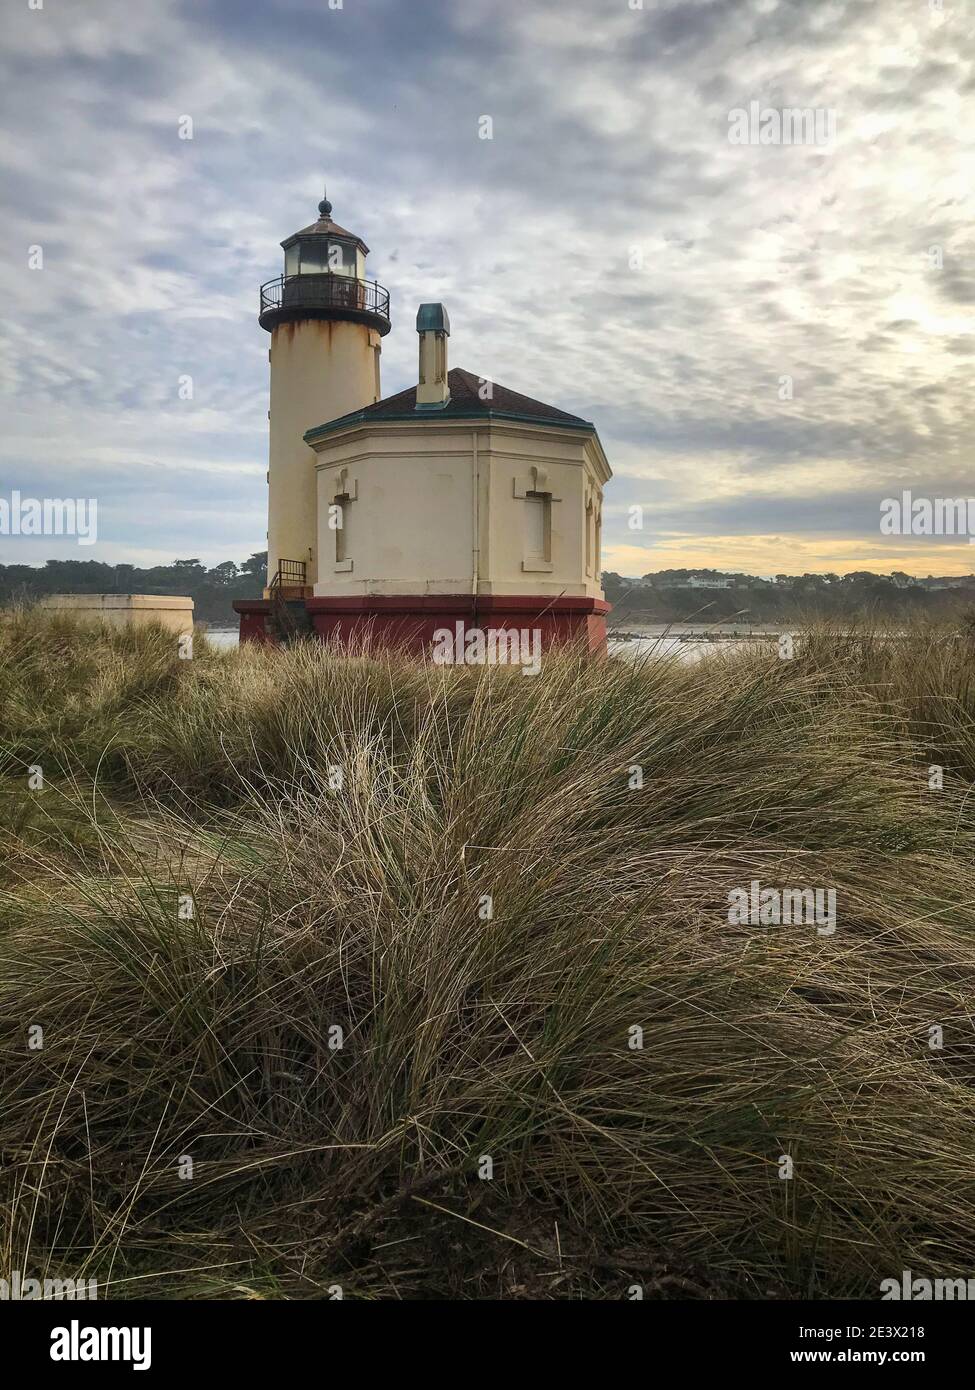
{"x":650,"y":581}
{"x":935,"y":585}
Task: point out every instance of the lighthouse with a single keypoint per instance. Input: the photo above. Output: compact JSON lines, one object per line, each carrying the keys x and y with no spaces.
{"x":455,"y":504}
{"x":327,"y":323}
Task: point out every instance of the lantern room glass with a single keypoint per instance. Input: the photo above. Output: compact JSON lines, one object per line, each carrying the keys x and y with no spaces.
{"x":320,"y":256}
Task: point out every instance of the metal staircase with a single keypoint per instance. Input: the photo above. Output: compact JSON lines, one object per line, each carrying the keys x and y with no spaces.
{"x":287,"y":592}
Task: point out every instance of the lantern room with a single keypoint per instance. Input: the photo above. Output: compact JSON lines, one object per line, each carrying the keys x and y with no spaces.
{"x":324,"y":277}
{"x":324,"y":249}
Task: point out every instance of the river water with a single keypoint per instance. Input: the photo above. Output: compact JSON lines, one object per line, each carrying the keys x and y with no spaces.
{"x":686,"y":642}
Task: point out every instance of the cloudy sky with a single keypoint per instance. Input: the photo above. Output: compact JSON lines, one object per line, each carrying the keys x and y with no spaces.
{"x":609,"y":251}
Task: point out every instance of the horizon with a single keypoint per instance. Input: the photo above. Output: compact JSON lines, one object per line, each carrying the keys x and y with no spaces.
{"x":688,"y":569}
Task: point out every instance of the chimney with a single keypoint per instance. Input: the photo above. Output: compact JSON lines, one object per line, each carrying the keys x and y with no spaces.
{"x":433,"y":326}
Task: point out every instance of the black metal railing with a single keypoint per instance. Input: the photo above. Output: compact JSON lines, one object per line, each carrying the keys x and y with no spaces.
{"x":341,"y":294}
{"x":289,"y":617}
{"x":290,"y":574}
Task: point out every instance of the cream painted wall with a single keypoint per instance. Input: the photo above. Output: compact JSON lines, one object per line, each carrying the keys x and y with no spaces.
{"x":409,"y":527}
{"x":421,"y":491}
{"x":173,"y":612}
{"x":320,"y":369}
{"x":509,"y":458}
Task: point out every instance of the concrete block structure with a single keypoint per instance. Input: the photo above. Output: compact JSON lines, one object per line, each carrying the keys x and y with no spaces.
{"x":173,"y":612}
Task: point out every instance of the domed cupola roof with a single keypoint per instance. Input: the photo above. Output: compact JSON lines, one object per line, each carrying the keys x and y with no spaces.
{"x":326,"y":227}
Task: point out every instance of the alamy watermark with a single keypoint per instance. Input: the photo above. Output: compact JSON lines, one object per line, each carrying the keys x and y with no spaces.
{"x":18,"y":1289}
{"x":78,"y":1343}
{"x":756,"y":906}
{"x":495,"y":646}
{"x":927,"y":1290}
{"x":49,"y":516}
{"x":908,"y":515}
{"x":785,"y":125}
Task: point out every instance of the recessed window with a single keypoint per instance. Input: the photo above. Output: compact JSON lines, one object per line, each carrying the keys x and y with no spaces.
{"x":339,"y":514}
{"x":538,"y":526}
{"x":341,"y":517}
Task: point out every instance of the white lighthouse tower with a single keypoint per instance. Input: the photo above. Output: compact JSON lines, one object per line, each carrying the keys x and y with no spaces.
{"x":326,"y":322}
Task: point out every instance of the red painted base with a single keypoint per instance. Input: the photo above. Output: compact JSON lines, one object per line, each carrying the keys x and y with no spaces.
{"x":412,"y":622}
{"x":254,"y":614}
{"x":561,"y":620}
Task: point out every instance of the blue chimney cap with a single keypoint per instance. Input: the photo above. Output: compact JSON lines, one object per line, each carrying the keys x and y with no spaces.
{"x":432,"y":318}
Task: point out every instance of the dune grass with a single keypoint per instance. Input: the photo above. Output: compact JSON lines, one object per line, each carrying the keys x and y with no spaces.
{"x":341,"y":963}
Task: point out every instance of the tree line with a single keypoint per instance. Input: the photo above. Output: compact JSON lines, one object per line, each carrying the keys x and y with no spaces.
{"x":212,"y":590}
{"x":666,"y":596}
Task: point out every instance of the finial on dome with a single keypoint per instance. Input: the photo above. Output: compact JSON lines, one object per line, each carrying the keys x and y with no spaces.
{"x":325,"y":207}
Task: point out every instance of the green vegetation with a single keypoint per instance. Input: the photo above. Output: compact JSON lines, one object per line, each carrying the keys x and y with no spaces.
{"x":787,"y":598}
{"x":711,"y":596}
{"x":209,"y":1034}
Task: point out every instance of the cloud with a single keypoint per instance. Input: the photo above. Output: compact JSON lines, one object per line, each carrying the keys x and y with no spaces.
{"x":609,"y":250}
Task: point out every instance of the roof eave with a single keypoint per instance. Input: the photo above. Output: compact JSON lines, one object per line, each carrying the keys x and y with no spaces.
{"x":336,"y":235}
{"x":363,"y":417}
{"x":600,"y":459}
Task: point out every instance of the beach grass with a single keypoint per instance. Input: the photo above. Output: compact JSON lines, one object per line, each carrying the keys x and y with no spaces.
{"x":359,"y":976}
